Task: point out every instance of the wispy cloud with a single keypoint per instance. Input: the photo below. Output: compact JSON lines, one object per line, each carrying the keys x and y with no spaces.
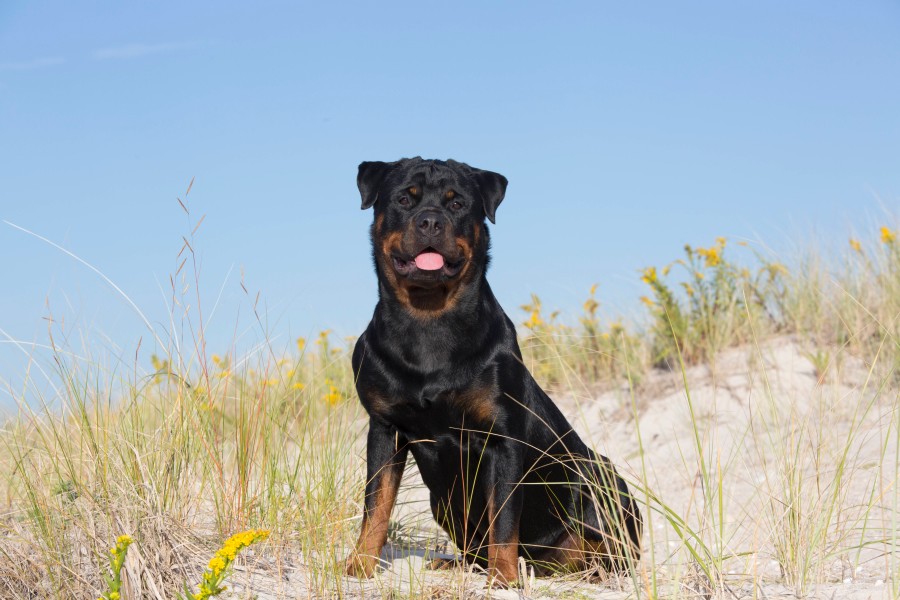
{"x":139,"y":50}
{"x":29,"y":65}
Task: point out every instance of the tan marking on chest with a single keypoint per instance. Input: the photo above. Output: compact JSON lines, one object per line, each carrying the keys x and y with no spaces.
{"x":479,"y":402}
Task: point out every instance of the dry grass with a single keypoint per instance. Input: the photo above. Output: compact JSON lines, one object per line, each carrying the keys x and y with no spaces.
{"x":183,"y":449}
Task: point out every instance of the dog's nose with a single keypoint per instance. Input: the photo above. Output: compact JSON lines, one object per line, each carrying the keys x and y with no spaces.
{"x":430,"y":223}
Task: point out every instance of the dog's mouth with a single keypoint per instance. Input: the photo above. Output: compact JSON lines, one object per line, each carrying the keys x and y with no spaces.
{"x":428,"y":263}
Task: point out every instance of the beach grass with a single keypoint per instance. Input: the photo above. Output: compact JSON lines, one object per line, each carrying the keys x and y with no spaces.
{"x":182,"y":448}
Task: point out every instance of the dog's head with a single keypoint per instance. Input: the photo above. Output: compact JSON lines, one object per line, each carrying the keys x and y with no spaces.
{"x":429,"y":239}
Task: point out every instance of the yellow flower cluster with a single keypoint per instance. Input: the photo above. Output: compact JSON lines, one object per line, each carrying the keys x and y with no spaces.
{"x":888,"y":236}
{"x":116,"y":561}
{"x":122,"y":542}
{"x":214,"y":577}
{"x":333,"y":396}
{"x":229,"y":550}
{"x":591,"y":305}
{"x":649,"y":277}
{"x":534,"y":320}
{"x":712,"y":255}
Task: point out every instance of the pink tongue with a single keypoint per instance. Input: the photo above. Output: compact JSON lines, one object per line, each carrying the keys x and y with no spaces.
{"x":429,"y":261}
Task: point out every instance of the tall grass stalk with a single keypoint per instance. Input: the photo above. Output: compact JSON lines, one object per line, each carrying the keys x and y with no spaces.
{"x":181,"y":448}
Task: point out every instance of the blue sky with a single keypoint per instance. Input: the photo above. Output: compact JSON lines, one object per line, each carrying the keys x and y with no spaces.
{"x":625,"y":132}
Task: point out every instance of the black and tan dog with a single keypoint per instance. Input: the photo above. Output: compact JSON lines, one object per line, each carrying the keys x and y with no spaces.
{"x":440,"y":373}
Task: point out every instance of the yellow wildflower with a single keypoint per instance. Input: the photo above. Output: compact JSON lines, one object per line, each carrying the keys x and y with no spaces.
{"x":649,"y":276}
{"x":534,"y":320}
{"x":647,"y":301}
{"x":224,"y":374}
{"x":720,"y":241}
{"x":217,"y":565}
{"x":712,"y":256}
{"x":854,"y":243}
{"x":214,"y":577}
{"x":333,"y":396}
{"x":298,"y":386}
{"x":888,"y":236}
{"x":124,"y":540}
{"x":301,"y":344}
{"x":216,"y":359}
{"x":700,"y":276}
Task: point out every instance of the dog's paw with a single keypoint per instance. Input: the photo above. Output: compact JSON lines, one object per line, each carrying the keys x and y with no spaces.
{"x":497,"y":580}
{"x":359,"y":566}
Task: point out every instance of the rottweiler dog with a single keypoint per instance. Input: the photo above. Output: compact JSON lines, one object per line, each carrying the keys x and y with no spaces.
{"x":440,"y":373}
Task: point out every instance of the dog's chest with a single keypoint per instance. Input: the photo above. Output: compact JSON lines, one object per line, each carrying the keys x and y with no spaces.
{"x":430,"y":412}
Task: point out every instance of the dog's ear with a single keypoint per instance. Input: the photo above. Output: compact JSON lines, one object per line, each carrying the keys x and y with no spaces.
{"x":493,"y":188}
{"x":369,"y":178}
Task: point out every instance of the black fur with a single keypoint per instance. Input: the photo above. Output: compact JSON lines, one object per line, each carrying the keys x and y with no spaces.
{"x":440,"y":373}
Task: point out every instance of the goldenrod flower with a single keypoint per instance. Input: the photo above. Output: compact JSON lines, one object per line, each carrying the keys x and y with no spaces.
{"x":887,"y":236}
{"x":116,"y":561}
{"x":214,"y":576}
{"x":333,"y":396}
{"x":854,"y":243}
{"x":712,"y":256}
{"x":216,"y":565}
{"x":534,"y":320}
{"x":649,"y":276}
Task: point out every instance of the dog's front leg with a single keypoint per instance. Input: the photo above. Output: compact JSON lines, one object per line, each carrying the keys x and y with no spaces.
{"x":385,"y":459}
{"x":504,"y":503}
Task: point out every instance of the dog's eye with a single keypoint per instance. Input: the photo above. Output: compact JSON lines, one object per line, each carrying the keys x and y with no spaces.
{"x":456,"y":205}
{"x":403,"y":201}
